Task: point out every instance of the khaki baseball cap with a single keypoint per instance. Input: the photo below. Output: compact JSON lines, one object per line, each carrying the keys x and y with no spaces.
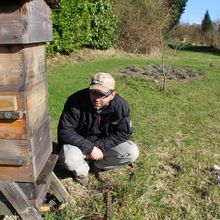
{"x":103,"y":83}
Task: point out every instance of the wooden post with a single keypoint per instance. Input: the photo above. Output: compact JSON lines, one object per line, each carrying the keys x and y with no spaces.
{"x":19,"y":201}
{"x":58,"y":189}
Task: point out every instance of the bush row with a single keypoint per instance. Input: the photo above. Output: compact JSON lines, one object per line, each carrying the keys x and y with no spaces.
{"x":193,"y":34}
{"x":80,"y":23}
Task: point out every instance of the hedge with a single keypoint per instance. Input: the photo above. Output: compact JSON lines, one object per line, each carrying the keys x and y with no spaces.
{"x":83,"y":23}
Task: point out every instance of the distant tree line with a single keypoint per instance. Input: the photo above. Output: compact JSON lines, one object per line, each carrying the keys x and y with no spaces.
{"x":134,"y":26}
{"x":205,"y":34}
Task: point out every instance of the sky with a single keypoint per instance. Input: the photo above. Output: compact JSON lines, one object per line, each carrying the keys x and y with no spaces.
{"x":195,"y":10}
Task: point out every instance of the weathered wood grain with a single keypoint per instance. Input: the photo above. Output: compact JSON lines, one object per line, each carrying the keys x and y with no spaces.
{"x":5,"y":207}
{"x":47,"y":170}
{"x":25,"y":23}
{"x":14,"y":148}
{"x":8,"y":103}
{"x":10,"y":30}
{"x":25,"y":139}
{"x":41,"y":195}
{"x":36,"y":106}
{"x":18,"y":174}
{"x":58,"y":189}
{"x":40,"y":28}
{"x":19,"y":148}
{"x":34,"y":192}
{"x":41,"y":145}
{"x":18,"y":95}
{"x":21,"y":66}
{"x":12,"y":160}
{"x":19,"y":201}
{"x":36,"y":149}
{"x":13,"y":129}
{"x":32,"y":105}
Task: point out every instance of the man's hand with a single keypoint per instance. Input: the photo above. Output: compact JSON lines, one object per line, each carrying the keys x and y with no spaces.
{"x":96,"y":154}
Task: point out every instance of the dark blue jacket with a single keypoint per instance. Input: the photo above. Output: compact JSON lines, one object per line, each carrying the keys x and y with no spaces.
{"x":82,"y":126}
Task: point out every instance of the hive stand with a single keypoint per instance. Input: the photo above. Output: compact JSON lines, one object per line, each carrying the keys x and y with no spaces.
{"x":26,"y":162}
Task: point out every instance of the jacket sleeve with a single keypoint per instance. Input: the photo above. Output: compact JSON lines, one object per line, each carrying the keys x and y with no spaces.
{"x":69,"y":120}
{"x":121,"y":129}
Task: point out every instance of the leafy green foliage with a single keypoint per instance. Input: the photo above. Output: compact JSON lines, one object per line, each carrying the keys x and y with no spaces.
{"x":141,"y":23}
{"x":206,"y":23}
{"x":71,"y":26}
{"x":177,"y":8}
{"x":81,"y":23}
{"x":104,"y":23}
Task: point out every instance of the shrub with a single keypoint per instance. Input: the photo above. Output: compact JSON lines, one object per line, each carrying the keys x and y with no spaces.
{"x":71,"y":27}
{"x":141,"y":24}
{"x":104,"y":23}
{"x":81,"y":23}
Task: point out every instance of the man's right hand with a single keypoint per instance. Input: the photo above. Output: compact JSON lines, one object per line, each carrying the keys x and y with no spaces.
{"x":96,"y":154}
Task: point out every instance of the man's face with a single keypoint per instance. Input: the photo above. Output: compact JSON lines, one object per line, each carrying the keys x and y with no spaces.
{"x":99,"y":101}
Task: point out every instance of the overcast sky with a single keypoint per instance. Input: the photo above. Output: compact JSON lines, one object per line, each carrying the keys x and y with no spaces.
{"x":195,"y":10}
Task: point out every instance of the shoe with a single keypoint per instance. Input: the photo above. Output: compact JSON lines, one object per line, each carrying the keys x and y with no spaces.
{"x":94,"y":169}
{"x":83,"y":180}
{"x":99,"y":173}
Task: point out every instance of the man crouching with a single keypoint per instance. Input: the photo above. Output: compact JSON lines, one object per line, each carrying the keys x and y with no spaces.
{"x":95,"y":124}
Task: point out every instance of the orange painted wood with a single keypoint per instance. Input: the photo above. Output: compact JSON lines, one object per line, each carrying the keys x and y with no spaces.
{"x":17,"y":174}
{"x":8,"y":103}
{"x":36,"y":149}
{"x":13,"y":129}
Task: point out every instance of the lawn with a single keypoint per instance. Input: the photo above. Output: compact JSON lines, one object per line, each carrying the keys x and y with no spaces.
{"x":178,"y":134}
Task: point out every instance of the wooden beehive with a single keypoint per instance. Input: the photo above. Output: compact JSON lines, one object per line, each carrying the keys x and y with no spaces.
{"x":25,"y":141}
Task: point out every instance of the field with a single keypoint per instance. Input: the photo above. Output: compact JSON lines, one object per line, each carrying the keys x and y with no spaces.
{"x":177,"y":132}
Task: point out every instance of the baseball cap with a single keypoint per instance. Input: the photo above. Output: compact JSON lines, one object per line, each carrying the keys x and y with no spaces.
{"x":102,"y":83}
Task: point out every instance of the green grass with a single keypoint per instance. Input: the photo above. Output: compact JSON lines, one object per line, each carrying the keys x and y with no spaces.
{"x":178,"y":134}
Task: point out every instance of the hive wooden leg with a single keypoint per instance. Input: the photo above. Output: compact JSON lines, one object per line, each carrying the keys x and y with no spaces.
{"x":19,"y":201}
{"x":58,"y":189}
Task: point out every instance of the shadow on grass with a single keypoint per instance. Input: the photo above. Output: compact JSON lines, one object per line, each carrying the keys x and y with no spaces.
{"x":201,"y":49}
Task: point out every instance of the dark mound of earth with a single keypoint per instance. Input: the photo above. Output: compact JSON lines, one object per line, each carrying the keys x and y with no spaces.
{"x":156,"y":72}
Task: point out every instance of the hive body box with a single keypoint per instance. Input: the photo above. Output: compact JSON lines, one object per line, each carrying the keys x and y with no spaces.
{"x":24,"y":21}
{"x":25,"y":141}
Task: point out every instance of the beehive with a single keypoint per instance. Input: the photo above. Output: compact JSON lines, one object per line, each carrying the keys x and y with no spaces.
{"x":25,"y":140}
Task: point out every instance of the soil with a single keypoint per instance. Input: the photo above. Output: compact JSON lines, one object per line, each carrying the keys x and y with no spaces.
{"x":154,"y":72}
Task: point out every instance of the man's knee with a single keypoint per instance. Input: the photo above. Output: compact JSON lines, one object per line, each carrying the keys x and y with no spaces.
{"x":71,"y":157}
{"x":133,"y":152}
{"x":71,"y":160}
{"x":128,"y":150}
